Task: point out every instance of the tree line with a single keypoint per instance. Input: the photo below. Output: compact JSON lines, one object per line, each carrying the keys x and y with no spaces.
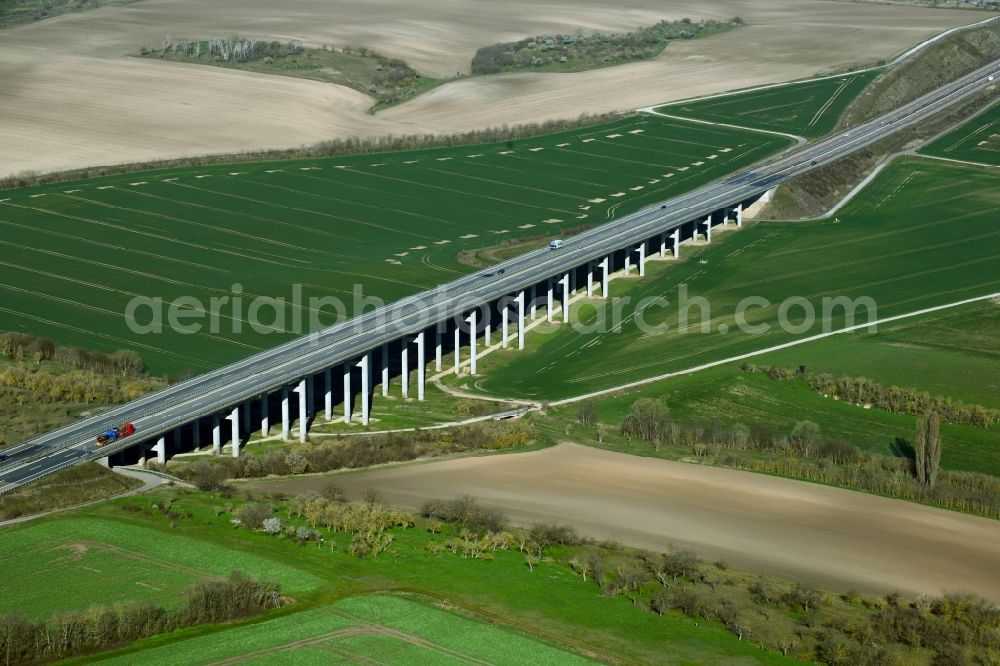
{"x":912,"y":473}
{"x":331,"y":148}
{"x":863,"y":391}
{"x":25,"y":641}
{"x":27,"y":347}
{"x":359,"y":452}
{"x":645,"y":42}
{"x":780,"y":616}
{"x":794,"y":619}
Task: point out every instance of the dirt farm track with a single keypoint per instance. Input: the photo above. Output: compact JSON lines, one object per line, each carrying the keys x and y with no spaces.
{"x":72,"y":96}
{"x":830,"y":537}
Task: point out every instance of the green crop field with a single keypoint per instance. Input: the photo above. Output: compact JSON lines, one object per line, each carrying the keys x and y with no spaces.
{"x":72,"y":564}
{"x":551,"y":603}
{"x":922,"y":234}
{"x":727,"y":395}
{"x":808,"y":109}
{"x":376,"y":628}
{"x":954,"y":353}
{"x":978,"y":140}
{"x":75,"y":254}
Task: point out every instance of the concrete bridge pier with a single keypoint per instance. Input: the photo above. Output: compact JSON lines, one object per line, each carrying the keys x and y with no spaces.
{"x":286,"y":417}
{"x":302,"y":390}
{"x":675,"y":238}
{"x":265,"y":415}
{"x":438,"y":351}
{"x":739,"y":215}
{"x":628,"y":263}
{"x":216,"y":435}
{"x":365,"y":365}
{"x":384,"y":367}
{"x":421,"y":364}
{"x":404,"y":370}
{"x":458,"y":349}
{"x":642,"y":258}
{"x":504,"y":323}
{"x":472,"y":338}
{"x":534,"y":303}
{"x":234,"y":419}
{"x":347,"y":392}
{"x":663,"y":245}
{"x":548,"y":310}
{"x":328,"y":394}
{"x":565,"y":297}
{"x":520,"y":319}
{"x":708,"y":228}
{"x":161,"y":450}
{"x":605,"y":276}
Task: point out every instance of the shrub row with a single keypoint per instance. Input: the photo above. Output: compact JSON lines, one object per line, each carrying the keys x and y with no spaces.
{"x":863,"y":391}
{"x":24,"y":641}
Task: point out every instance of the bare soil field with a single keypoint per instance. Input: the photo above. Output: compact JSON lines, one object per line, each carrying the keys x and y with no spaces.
{"x":817,"y":534}
{"x":73,"y":98}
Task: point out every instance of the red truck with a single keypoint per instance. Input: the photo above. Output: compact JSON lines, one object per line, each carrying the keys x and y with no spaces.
{"x":114,"y":434}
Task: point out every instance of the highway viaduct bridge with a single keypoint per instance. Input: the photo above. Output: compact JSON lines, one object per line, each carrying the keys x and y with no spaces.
{"x":342,"y":365}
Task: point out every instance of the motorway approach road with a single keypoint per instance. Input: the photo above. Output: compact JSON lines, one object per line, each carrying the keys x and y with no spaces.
{"x":216,"y":392}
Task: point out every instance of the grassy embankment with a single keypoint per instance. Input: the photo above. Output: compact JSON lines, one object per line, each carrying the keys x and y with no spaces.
{"x":816,"y":192}
{"x":977,"y":140}
{"x":808,"y":108}
{"x":43,"y":386}
{"x":69,"y":487}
